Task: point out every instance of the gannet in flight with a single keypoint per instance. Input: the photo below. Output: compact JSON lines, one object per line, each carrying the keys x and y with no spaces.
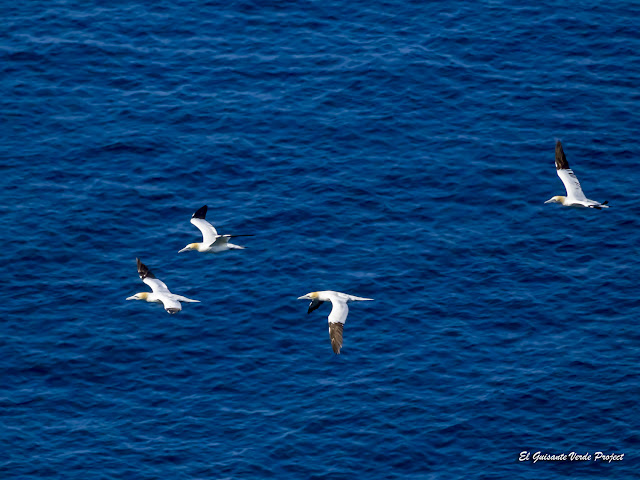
{"x":211,"y":241}
{"x":575,"y":197}
{"x":338,"y":315}
{"x":160,"y":293}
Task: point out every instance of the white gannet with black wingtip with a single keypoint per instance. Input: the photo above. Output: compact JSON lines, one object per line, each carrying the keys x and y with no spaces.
{"x":338,"y":315}
{"x":159,"y":291}
{"x":211,"y":241}
{"x":575,"y":197}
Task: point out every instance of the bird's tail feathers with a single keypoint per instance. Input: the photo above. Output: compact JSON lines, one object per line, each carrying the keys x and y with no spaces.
{"x":180,"y":298}
{"x":354,"y":298}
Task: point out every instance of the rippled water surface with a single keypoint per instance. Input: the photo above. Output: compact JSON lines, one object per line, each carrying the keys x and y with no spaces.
{"x":400,"y":151}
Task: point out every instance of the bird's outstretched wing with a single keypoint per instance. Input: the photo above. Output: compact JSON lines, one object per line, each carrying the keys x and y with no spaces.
{"x":209,"y":233}
{"x":561,"y":159}
{"x":571,"y":183}
{"x":171,"y":305}
{"x":335,"y":334}
{"x":339,"y":310}
{"x":315,"y":303}
{"x":157,"y":286}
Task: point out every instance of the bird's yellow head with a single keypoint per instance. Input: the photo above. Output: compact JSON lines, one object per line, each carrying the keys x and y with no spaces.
{"x":556,"y":199}
{"x":309,"y":296}
{"x":191,"y":246}
{"x":139,"y":296}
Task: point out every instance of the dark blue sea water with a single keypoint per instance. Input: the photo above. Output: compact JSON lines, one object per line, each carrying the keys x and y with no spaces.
{"x":396,"y":150}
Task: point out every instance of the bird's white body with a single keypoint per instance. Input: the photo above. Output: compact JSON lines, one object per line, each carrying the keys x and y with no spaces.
{"x":211,"y":241}
{"x":339,"y":311}
{"x":159,"y":292}
{"x":575,"y":196}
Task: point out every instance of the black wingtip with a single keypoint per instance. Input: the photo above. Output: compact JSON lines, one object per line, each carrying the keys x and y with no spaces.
{"x":200,"y":213}
{"x":561,"y":159}
{"x":143,"y":270}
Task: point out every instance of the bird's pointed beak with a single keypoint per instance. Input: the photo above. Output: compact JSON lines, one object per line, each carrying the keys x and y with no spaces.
{"x":131,"y":298}
{"x":185,"y":249}
{"x":304,"y":297}
{"x":549,"y":201}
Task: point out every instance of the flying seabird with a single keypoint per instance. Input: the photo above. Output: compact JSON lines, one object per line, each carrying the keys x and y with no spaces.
{"x":160,"y":293}
{"x":211,"y":241}
{"x":338,"y":315}
{"x":575,"y":197}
